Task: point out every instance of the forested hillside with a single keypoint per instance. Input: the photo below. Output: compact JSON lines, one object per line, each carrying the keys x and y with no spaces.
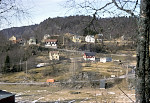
{"x":110,"y":27}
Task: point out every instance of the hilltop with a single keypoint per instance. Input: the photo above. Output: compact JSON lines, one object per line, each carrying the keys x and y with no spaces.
{"x":110,"y":27}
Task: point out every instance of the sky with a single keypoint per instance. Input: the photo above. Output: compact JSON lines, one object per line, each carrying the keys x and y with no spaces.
{"x":43,"y":9}
{"x":36,"y":12}
{"x":39,"y":10}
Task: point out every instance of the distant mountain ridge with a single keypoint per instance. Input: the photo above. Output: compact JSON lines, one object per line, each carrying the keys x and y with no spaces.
{"x":110,"y":27}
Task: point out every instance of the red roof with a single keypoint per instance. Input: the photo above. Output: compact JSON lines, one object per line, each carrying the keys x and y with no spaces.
{"x":89,"y":55}
{"x":51,"y":40}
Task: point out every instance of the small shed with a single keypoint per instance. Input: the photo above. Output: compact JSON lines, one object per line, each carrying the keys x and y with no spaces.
{"x":105,"y":59}
{"x":50,"y":80}
{"x":102,"y":84}
{"x":6,"y":97}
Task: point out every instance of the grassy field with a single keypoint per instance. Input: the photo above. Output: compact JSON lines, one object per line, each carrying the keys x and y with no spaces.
{"x":32,"y":93}
{"x":64,"y":70}
{"x":107,"y":69}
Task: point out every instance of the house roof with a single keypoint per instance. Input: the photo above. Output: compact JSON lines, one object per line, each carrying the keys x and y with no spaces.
{"x":89,"y":54}
{"x":12,"y":38}
{"x":4,"y":94}
{"x":32,"y":39}
{"x":91,"y":36}
{"x":54,"y":52}
{"x":51,"y":40}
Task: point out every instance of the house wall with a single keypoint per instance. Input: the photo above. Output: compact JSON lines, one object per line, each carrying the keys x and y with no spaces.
{"x":92,"y":59}
{"x":51,"y":45}
{"x":13,"y":38}
{"x":76,"y":39}
{"x":89,"y":58}
{"x":32,"y":43}
{"x":54,"y":56}
{"x":106,"y":59}
{"x":90,"y":39}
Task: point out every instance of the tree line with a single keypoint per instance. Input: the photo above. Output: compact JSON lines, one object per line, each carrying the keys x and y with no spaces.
{"x":111,"y":27}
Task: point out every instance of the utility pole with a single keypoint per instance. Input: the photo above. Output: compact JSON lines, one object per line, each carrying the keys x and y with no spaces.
{"x":63,"y":40}
{"x":127,"y":71}
{"x":20,"y":65}
{"x":26,"y":67}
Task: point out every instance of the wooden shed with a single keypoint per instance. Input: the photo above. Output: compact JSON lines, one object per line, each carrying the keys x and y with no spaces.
{"x":50,"y":80}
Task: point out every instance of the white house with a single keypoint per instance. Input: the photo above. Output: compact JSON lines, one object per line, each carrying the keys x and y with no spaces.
{"x":105,"y":59}
{"x":51,"y":43}
{"x":90,"y":39}
{"x":46,"y":36}
{"x":32,"y":41}
{"x":89,"y":56}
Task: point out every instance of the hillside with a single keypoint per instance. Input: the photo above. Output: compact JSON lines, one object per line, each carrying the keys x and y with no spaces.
{"x":110,"y":27}
{"x":76,"y":74}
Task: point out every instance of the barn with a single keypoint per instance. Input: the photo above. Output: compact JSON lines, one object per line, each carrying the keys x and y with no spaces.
{"x":89,"y":56}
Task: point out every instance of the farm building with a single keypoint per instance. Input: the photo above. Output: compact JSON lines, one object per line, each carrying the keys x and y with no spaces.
{"x":105,"y":59}
{"x":6,"y":97}
{"x":89,"y":56}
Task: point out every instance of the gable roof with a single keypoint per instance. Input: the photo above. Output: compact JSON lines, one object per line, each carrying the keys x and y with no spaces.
{"x":51,"y":40}
{"x":89,"y":54}
{"x":12,"y":38}
{"x":32,"y":39}
{"x":90,"y":36}
{"x":4,"y":94}
{"x":54,"y":52}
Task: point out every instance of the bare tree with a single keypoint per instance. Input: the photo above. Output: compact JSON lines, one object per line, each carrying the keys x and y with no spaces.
{"x":139,"y":9}
{"x":11,"y":10}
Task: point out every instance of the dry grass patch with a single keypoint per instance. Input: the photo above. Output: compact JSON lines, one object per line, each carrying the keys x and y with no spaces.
{"x":107,"y":69}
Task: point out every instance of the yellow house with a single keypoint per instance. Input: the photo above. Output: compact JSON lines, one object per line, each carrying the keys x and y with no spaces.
{"x":54,"y":55}
{"x":13,"y":39}
{"x":77,"y":39}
